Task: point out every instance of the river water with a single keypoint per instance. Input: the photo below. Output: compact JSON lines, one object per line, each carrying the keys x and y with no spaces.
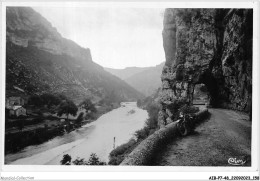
{"x":96,"y":137}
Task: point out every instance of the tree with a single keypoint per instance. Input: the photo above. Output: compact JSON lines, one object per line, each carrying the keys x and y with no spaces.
{"x":153,"y":110}
{"x":139,"y":103}
{"x":80,"y":161}
{"x":50,"y":99}
{"x":47,"y":99}
{"x":80,"y":118}
{"x":67,"y":107}
{"x":35,"y":100}
{"x":66,"y":160}
{"x":89,"y":107}
{"x":94,"y":160}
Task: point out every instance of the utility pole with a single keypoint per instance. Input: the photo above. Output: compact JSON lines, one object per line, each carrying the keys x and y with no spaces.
{"x":114,"y":145}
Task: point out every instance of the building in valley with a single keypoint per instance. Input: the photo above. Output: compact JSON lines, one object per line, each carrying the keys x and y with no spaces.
{"x":17,"y":111}
{"x":14,"y":106}
{"x":15,"y":101}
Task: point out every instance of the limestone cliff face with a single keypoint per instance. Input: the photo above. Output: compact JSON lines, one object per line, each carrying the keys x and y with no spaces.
{"x":39,"y":60}
{"x":27,"y":27}
{"x":209,"y":46}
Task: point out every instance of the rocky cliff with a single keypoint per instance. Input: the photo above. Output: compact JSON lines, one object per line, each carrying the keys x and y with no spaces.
{"x":211,"y":47}
{"x":39,"y":59}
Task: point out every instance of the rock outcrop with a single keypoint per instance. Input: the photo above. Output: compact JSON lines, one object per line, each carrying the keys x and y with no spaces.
{"x":208,"y":46}
{"x":26,"y":27}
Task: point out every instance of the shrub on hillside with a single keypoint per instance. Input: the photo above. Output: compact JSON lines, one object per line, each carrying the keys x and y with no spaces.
{"x":116,"y":160}
{"x":142,"y":133}
{"x":94,"y":160}
{"x":122,"y":148}
{"x":117,"y":155}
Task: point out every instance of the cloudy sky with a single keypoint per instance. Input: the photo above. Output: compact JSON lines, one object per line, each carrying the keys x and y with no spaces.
{"x":117,"y":37}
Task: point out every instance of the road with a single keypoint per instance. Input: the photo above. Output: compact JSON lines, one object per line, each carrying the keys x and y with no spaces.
{"x":225,"y":135}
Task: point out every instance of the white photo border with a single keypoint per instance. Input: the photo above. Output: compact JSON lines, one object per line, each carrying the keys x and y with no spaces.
{"x":144,"y":172}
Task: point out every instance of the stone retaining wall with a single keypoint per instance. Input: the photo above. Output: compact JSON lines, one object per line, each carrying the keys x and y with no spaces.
{"x":144,"y":152}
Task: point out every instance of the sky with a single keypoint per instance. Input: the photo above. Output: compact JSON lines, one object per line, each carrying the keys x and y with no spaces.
{"x":117,"y":37}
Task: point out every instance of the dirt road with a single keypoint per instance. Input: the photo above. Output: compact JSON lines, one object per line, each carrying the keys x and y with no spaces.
{"x":225,"y":135}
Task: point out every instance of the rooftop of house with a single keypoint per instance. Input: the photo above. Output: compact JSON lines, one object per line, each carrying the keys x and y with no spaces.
{"x":15,"y":107}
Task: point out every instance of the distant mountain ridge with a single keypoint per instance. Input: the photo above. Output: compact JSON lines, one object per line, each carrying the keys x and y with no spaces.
{"x":126,"y":72}
{"x":39,"y":59}
{"x":146,"y":79}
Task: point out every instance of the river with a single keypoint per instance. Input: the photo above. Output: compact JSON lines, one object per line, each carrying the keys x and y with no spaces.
{"x":96,"y":137}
